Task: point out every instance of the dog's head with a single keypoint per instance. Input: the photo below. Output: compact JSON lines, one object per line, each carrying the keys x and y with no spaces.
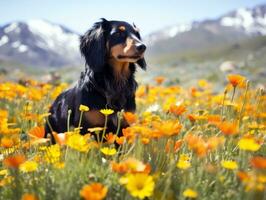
{"x":112,"y":40}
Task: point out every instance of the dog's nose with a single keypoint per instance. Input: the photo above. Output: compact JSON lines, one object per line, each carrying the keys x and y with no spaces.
{"x":141,"y":48}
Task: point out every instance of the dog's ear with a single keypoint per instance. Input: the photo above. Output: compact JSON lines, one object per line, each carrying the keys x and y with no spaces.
{"x":142,"y":63}
{"x":93,"y":45}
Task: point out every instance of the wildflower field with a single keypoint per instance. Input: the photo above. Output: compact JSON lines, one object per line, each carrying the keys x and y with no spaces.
{"x":182,"y":143}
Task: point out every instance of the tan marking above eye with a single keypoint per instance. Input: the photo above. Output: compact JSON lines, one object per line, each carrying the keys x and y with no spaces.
{"x":122,"y":28}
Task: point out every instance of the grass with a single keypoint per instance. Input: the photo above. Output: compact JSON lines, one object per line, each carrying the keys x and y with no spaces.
{"x":183,"y":143}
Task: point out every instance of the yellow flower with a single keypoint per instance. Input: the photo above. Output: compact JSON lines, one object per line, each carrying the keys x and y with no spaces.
{"x":108,"y":151}
{"x":190,"y":193}
{"x":139,"y":185}
{"x":3,"y":172}
{"x":78,"y":142}
{"x":183,"y":162}
{"x":221,"y":179}
{"x":83,"y":108}
{"x":59,"y":165}
{"x":52,"y":154}
{"x":107,"y":111}
{"x":262,"y":178}
{"x":248,"y":144}
{"x":28,"y":166}
{"x":229,"y":164}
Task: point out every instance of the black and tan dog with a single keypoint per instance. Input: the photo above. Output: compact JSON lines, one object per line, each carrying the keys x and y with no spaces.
{"x":111,"y":50}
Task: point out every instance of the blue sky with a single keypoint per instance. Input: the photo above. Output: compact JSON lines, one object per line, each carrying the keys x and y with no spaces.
{"x":148,"y":15}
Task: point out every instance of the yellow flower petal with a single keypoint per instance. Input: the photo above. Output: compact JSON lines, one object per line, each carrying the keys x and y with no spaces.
{"x":229,"y":164}
{"x":83,"y":108}
{"x":190,"y":193}
{"x":107,"y":111}
{"x":248,"y":144}
{"x":108,"y":151}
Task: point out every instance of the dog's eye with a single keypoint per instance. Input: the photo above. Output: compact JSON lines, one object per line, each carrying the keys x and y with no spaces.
{"x":119,"y":34}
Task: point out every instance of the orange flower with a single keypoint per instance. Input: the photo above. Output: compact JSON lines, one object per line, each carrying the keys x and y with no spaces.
{"x":193,"y":91}
{"x":37,"y":132}
{"x":214,"y":141}
{"x":37,"y":135}
{"x":258,"y":162}
{"x":129,"y":133}
{"x":228,"y":128}
{"x":119,"y":167}
{"x":14,"y":161}
{"x":60,"y":138}
{"x":130,"y":117}
{"x":214,"y":119}
{"x":177,"y":109}
{"x":7,"y":142}
{"x":94,"y":191}
{"x":197,"y":144}
{"x":29,"y":197}
{"x":145,"y":140}
{"x":120,"y":140}
{"x":110,"y":138}
{"x":166,"y":128}
{"x":243,"y":176}
{"x":131,"y":165}
{"x":192,"y":118}
{"x":159,"y":79}
{"x":178,"y":144}
{"x":168,"y":145}
{"x":235,"y":79}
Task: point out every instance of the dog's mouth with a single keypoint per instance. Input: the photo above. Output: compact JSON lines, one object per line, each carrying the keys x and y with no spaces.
{"x":129,"y":57}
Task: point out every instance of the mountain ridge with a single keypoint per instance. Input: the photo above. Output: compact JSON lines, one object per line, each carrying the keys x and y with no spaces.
{"x":40,"y":43}
{"x":233,"y":26}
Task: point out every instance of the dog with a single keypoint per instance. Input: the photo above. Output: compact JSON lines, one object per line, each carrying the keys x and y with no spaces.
{"x":111,"y":49}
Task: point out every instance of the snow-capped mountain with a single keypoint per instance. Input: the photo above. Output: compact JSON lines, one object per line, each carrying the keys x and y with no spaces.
{"x":39,"y":43}
{"x":231,"y":27}
{"x":251,"y":21}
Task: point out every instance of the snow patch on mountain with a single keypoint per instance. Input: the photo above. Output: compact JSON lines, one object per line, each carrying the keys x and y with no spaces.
{"x":16,"y":44}
{"x":22,"y":48}
{"x":53,"y":35}
{"x":252,"y":21}
{"x":3,"y":40}
{"x":40,"y":43}
{"x":168,"y":32}
{"x":172,"y":32}
{"x":12,"y":27}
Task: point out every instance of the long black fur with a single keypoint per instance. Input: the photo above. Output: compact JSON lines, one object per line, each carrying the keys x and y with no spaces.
{"x":97,"y":87}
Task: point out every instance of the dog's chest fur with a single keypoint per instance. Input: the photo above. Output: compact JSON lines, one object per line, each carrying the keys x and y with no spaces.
{"x":115,"y":89}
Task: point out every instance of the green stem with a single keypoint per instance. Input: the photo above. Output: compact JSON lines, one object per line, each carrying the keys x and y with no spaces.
{"x":80,"y":118}
{"x":244,"y":103}
{"x":105,"y":127}
{"x":119,"y":114}
{"x":234,"y":91}
{"x":258,"y":104}
{"x":225,"y":92}
{"x":47,"y":120}
{"x":68,"y":119}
